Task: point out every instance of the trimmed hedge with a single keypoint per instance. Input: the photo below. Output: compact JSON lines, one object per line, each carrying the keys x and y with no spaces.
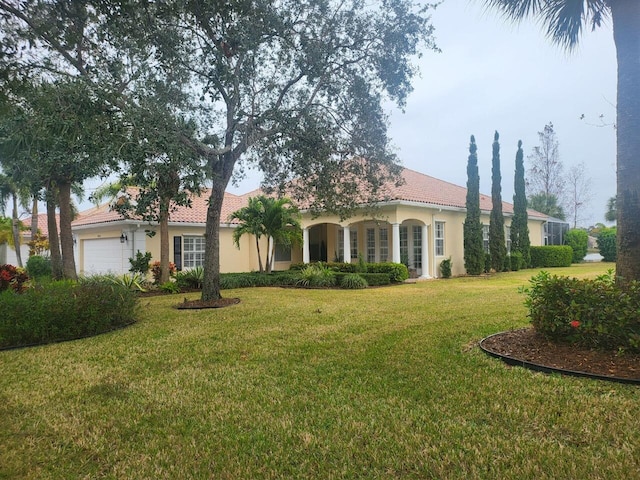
{"x":397,"y":271}
{"x":551,"y":256}
{"x":592,"y":313}
{"x":65,"y":310}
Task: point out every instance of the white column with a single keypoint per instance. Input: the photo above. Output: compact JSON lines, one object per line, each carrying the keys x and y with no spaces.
{"x":425,"y":252}
{"x":305,"y":245}
{"x":395,"y":237}
{"x":347,"y":244}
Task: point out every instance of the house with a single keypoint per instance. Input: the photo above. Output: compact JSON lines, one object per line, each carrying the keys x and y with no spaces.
{"x":420,"y":223}
{"x":8,"y":253}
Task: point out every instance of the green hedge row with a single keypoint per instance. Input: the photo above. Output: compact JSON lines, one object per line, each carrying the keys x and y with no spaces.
{"x":372,"y":279}
{"x":397,"y":272}
{"x":551,"y":256}
{"x":65,"y":310}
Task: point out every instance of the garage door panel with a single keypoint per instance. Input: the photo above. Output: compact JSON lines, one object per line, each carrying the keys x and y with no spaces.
{"x":105,"y":255}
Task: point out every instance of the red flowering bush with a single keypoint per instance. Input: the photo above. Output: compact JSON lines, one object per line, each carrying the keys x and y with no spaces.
{"x":12,"y":278}
{"x":592,"y":313}
{"x":155,"y":271}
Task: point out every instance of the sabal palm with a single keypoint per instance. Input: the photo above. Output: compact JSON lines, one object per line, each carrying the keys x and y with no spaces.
{"x":565,"y":20}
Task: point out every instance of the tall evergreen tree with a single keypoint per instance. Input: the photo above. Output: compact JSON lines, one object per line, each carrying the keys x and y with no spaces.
{"x":497,"y":246}
{"x":520,"y":241}
{"x":473,"y":248}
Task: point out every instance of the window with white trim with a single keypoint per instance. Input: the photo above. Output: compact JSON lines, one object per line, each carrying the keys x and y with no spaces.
{"x":354,"y":243}
{"x":417,"y":246}
{"x":383,"y":235}
{"x":404,"y":244}
{"x":371,"y":245}
{"x":193,"y":251}
{"x":340,"y":244}
{"x":439,"y":243}
{"x":485,"y":238}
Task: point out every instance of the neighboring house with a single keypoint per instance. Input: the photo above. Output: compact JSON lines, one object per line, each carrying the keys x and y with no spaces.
{"x":10,"y":253}
{"x":421,"y":223}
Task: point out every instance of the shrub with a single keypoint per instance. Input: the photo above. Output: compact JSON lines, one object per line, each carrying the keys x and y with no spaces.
{"x":551,"y":256}
{"x":155,"y":271}
{"x":64,"y":310}
{"x":191,"y":278}
{"x":487,"y":262}
{"x":38,"y":266}
{"x":169,"y":287}
{"x":376,"y":279}
{"x":317,"y":276}
{"x":592,"y":313}
{"x":361,"y":267}
{"x":445,"y":268}
{"x":397,"y":272}
{"x":133,"y":281}
{"x":353,"y":281}
{"x":607,"y":244}
{"x":516,"y":261}
{"x":578,"y":240}
{"x":13,"y":278}
{"x":140,"y":264}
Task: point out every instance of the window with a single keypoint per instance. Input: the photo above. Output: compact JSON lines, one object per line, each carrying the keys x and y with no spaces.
{"x":193,"y":251}
{"x":354,"y":243}
{"x":383,"y":234}
{"x":440,"y":239}
{"x":404,"y":245}
{"x":340,"y":244}
{"x":282,"y":253}
{"x":371,"y":245}
{"x":417,"y":246}
{"x":485,"y":238}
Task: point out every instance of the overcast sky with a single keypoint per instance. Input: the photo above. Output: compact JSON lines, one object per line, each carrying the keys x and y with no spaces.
{"x":493,"y":75}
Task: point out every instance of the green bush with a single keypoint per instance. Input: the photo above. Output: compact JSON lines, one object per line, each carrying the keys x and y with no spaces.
{"x":39,"y":266}
{"x":317,"y":275}
{"x":140,"y":264}
{"x":397,"y":272}
{"x":169,"y":287}
{"x":63,"y":311}
{"x":13,"y":278}
{"x":487,"y":262}
{"x":353,"y":281}
{"x":551,"y":256}
{"x":607,"y":244}
{"x":591,"y":313}
{"x":578,"y":240}
{"x":191,"y":278}
{"x":445,"y":268}
{"x":516,"y":261}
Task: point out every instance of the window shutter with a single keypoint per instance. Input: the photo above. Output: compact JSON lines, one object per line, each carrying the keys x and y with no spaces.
{"x":177,"y":252}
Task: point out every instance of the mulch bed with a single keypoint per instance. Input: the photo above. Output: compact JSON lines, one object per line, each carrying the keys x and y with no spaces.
{"x":199,"y":304}
{"x":529,"y":346}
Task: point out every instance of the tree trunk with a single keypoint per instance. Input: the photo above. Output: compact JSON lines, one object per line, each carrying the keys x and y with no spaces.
{"x":164,"y":242}
{"x":211,"y":281}
{"x":626,"y":19}
{"x":66,"y":237}
{"x":54,"y":239}
{"x":34,"y":217}
{"x":259,"y":256}
{"x":15,"y":229}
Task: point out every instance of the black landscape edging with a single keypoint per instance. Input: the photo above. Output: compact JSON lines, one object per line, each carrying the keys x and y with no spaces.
{"x":544,"y":369}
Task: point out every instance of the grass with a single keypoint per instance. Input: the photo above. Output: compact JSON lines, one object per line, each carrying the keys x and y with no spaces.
{"x":379,"y":383}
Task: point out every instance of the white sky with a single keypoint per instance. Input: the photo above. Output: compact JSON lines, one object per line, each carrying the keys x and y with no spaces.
{"x":493,"y":75}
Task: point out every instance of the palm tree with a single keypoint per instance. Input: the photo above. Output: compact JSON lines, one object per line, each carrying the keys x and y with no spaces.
{"x":564,"y":21}
{"x":251,"y":222}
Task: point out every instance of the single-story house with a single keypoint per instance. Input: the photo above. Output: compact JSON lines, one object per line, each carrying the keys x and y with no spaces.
{"x":8,"y":253}
{"x":420,"y":223}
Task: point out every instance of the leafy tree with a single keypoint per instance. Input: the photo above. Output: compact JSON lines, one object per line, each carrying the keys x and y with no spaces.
{"x":497,"y":246}
{"x":578,"y":240}
{"x":520,"y":241}
{"x":473,"y":245}
{"x":277,"y":219}
{"x":611,"y":213}
{"x":546,"y":204}
{"x":578,"y":191}
{"x":295,"y":87}
{"x":565,"y":20}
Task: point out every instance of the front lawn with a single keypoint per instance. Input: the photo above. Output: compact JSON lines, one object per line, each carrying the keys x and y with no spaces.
{"x":315,"y":384}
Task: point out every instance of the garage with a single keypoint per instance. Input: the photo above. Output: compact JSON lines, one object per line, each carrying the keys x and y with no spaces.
{"x":105,"y":255}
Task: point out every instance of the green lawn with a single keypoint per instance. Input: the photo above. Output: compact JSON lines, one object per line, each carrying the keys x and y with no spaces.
{"x":313,"y":384}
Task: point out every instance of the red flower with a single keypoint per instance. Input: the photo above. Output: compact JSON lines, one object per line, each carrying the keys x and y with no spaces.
{"x":575,"y":323}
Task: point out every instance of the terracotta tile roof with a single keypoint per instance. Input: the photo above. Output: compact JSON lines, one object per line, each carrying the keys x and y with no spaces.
{"x":197,"y":213}
{"x":417,"y":187}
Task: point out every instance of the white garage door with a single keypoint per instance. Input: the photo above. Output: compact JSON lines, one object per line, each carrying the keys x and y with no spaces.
{"x":105,"y":255}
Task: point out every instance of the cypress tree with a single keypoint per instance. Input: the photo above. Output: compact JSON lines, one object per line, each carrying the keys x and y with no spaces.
{"x":473,"y":248}
{"x":497,"y":246}
{"x":520,"y":223}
